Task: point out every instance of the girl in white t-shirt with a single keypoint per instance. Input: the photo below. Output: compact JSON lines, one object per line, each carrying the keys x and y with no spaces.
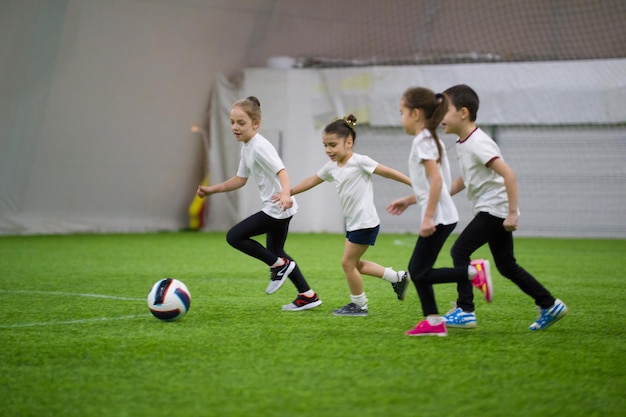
{"x":421,"y":111}
{"x":352,"y":175}
{"x":260,"y":161}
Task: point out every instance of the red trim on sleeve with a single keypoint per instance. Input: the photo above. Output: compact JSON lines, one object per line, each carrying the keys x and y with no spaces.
{"x":489,"y":162}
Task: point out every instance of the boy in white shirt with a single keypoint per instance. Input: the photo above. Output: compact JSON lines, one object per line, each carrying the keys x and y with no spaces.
{"x":492,"y":189}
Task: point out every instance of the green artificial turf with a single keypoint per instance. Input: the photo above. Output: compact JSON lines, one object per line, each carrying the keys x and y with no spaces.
{"x":78,"y":340}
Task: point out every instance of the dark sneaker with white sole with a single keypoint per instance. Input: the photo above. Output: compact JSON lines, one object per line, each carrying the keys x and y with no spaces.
{"x":302,"y":302}
{"x":351,"y":310}
{"x":401,"y":286}
{"x":278,"y":275}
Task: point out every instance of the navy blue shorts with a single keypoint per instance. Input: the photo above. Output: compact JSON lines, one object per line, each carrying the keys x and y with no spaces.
{"x":363,"y":236}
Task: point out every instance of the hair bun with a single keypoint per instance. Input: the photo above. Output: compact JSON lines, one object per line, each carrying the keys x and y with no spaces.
{"x":254,"y":100}
{"x":350,"y":120}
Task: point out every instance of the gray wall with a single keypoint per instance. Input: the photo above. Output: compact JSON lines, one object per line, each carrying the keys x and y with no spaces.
{"x":97,"y":96}
{"x":97,"y":102}
{"x":571,"y":173}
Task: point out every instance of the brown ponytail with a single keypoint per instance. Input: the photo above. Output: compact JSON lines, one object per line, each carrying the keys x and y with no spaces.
{"x":434,"y":106}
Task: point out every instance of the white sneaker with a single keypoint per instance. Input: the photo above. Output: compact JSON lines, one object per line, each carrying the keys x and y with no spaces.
{"x":278,"y":276}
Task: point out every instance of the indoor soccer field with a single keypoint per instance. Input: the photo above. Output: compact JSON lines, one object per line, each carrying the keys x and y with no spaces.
{"x":78,"y":340}
{"x":114,"y":112}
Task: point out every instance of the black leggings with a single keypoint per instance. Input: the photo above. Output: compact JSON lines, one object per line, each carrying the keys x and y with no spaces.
{"x":485,"y":228}
{"x":276,"y":230}
{"x":421,"y":267}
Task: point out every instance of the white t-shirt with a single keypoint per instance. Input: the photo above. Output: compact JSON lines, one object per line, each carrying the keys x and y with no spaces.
{"x":353,"y":182}
{"x":425,"y":148}
{"x":485,"y":188}
{"x":260,"y":160}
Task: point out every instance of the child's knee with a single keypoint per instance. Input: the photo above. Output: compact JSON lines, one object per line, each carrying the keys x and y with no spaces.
{"x":349,"y":264}
{"x":232,"y":238}
{"x":459,"y":256}
{"x":508,"y":270}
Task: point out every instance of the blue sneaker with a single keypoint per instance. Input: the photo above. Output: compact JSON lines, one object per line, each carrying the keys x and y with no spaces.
{"x":548,"y":316}
{"x":460,"y":319}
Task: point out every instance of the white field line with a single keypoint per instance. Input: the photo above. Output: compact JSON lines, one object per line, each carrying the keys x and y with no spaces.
{"x":55,"y":323}
{"x":78,"y":321}
{"x":73,"y":294}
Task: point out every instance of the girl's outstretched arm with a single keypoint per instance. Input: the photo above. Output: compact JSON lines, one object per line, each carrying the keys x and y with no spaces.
{"x":393,"y":174}
{"x":230,"y":184}
{"x":398,"y":206}
{"x":306,"y":184}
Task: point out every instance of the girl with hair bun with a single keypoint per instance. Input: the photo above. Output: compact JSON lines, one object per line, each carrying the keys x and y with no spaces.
{"x":352,"y":175}
{"x":260,"y":161}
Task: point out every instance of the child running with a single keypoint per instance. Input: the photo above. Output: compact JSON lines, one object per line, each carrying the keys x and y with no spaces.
{"x":492,"y":189}
{"x":260,"y":160}
{"x":352,"y":175}
{"x":421,"y":111}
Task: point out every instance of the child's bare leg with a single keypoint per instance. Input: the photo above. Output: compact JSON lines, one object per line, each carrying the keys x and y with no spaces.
{"x":371,"y":268}
{"x":350,"y":262}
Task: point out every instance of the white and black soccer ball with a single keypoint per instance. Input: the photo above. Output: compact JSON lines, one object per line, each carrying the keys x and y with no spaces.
{"x":169,"y":299}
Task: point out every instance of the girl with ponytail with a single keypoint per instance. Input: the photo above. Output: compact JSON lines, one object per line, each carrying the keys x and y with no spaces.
{"x":421,"y":111}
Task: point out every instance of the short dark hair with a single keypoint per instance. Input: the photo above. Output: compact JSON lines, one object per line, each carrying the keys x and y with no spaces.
{"x":462,"y":95}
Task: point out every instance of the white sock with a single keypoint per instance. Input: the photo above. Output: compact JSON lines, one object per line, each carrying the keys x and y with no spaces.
{"x":391,"y":275}
{"x":471,"y":272}
{"x":360,"y":300}
{"x":309,"y":293}
{"x":279,"y":262}
{"x":434,"y":320}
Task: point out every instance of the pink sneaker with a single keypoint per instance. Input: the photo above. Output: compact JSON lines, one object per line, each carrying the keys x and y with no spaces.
{"x":482,"y":281}
{"x":424,"y":328}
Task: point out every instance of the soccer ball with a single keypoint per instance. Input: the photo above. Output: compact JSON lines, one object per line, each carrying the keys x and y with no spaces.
{"x":169,"y":299}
